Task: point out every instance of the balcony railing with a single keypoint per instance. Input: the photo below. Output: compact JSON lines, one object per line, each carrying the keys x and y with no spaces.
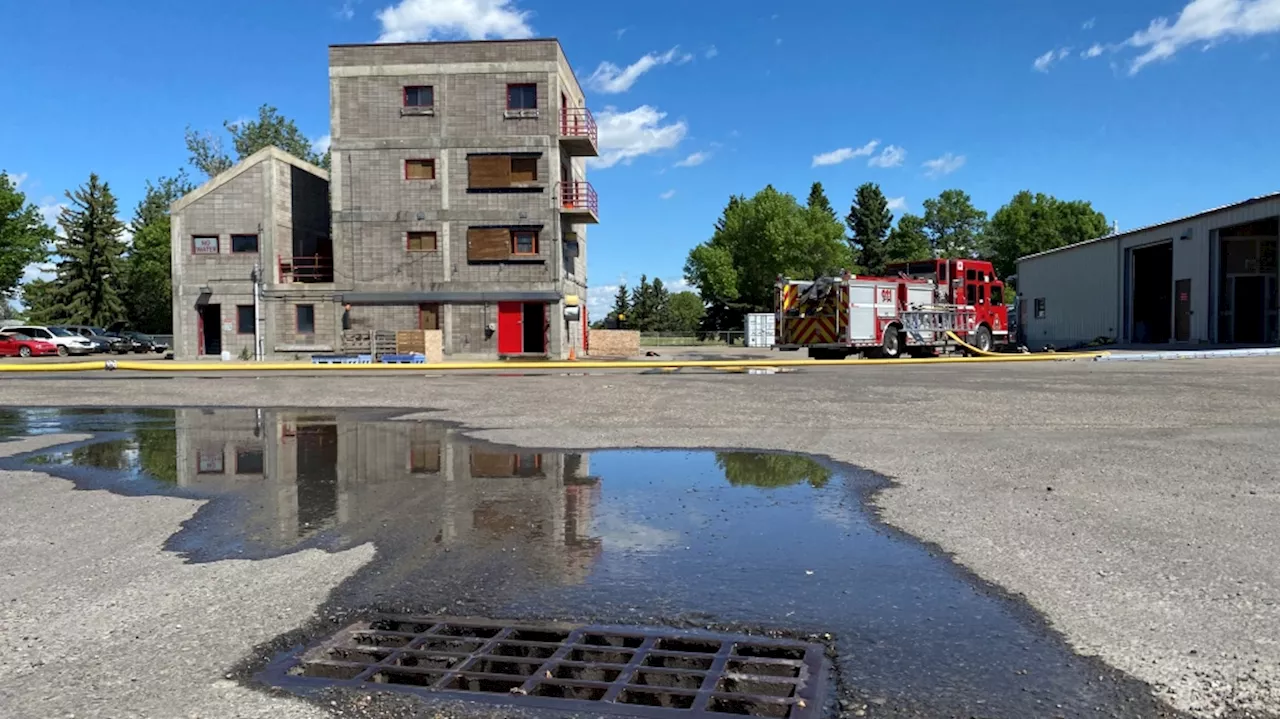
{"x":317,"y":268}
{"x":578,"y":198}
{"x":578,"y":126}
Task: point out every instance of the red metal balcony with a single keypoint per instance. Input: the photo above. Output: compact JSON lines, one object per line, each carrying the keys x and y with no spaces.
{"x":578,"y":132}
{"x":578,"y":202}
{"x":317,"y":268}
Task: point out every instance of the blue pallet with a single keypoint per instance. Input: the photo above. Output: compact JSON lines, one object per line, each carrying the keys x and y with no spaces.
{"x":404,"y":359}
{"x":342,"y":359}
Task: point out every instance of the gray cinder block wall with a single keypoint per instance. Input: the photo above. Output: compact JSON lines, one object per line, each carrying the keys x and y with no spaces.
{"x":374,"y":205}
{"x":360,"y":213}
{"x":284,"y":202}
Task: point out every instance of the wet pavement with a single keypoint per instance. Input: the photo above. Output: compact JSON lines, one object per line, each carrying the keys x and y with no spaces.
{"x":751,"y":543}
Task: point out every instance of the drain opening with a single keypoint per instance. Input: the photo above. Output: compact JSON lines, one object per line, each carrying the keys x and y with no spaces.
{"x":610,"y":669}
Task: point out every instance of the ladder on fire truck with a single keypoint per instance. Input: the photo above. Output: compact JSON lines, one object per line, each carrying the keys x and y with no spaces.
{"x":939,"y":318}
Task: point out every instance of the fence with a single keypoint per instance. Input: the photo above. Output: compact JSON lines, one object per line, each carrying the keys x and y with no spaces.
{"x":684,"y":339}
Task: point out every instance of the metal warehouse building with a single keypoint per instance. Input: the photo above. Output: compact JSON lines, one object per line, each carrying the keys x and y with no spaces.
{"x":1207,"y":278}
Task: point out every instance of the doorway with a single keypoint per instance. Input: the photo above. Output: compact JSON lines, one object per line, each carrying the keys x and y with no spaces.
{"x":1151,"y":293}
{"x":1248,"y":296}
{"x":522,"y":328}
{"x":1182,"y":310}
{"x":209,"y":323}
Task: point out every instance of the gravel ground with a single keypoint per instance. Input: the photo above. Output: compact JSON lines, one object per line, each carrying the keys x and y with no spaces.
{"x":1133,"y":504}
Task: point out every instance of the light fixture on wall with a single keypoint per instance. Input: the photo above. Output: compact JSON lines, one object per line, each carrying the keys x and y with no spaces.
{"x":1186,"y":234}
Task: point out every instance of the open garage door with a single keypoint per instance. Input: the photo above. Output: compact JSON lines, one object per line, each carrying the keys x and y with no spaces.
{"x":1247,"y":283}
{"x":1151,"y":293}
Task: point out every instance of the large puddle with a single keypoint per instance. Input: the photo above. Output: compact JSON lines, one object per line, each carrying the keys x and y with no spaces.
{"x":754,"y":542}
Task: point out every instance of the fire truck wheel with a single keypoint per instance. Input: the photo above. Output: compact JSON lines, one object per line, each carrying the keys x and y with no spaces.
{"x":982,"y":338}
{"x":891,"y":346}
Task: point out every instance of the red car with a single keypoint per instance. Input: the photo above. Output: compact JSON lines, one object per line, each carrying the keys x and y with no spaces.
{"x":13,"y":344}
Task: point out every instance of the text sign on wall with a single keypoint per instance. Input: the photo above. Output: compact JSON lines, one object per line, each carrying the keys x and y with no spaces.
{"x":204,"y":245}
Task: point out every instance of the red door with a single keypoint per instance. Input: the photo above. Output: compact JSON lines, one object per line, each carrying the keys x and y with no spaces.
{"x":510,"y":328}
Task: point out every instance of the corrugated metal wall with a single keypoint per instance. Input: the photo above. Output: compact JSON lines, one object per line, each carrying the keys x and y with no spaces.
{"x":1079,"y":288}
{"x":1085,"y":288}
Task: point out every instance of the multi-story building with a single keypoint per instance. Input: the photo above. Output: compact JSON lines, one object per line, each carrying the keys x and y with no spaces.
{"x":459,"y":203}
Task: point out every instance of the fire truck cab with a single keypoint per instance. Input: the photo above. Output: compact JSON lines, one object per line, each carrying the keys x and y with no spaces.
{"x":909,"y":310}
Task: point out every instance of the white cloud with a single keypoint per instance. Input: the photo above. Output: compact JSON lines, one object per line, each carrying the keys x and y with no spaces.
{"x":668,"y":194}
{"x":347,"y":11}
{"x":619,"y":533}
{"x":711,"y":52}
{"x":1088,"y":24}
{"x":844,"y":154}
{"x":678,"y":284}
{"x":416,"y":20}
{"x":50,"y":208}
{"x":320,"y":145}
{"x":620,"y":32}
{"x":44,"y":272}
{"x":1045,"y":61}
{"x":1094,"y":50}
{"x":611,"y":79}
{"x":891,"y":156}
{"x":625,"y":136}
{"x":18,"y":178}
{"x":944,"y":165}
{"x":694,"y":160}
{"x":897,"y":204}
{"x":1203,"y":21}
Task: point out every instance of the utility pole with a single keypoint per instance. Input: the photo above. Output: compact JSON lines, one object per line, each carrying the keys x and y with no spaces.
{"x":257,"y":313}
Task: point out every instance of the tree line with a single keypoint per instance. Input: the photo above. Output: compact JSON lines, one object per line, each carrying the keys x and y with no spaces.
{"x":650,"y":307}
{"x":770,"y":234}
{"x":106,"y":270}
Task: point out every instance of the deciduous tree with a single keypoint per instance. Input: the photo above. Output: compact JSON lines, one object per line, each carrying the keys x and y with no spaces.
{"x":148,"y":270}
{"x":247,"y":137}
{"x":869,"y":222}
{"x":24,"y":236}
{"x":1035,"y":223}
{"x":908,"y":242}
{"x":755,"y":240}
{"x":954,"y":226}
{"x":687,"y":311}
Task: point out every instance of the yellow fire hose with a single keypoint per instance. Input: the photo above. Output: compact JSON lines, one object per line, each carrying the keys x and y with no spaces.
{"x":516,"y":366}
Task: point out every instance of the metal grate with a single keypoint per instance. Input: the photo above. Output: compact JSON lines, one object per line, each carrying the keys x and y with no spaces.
{"x":625,"y":670}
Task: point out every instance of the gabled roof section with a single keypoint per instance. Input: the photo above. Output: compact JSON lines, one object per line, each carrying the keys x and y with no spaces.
{"x":266,"y":153}
{"x":1166,"y":223}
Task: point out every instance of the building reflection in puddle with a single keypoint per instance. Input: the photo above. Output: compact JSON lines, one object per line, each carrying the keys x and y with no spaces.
{"x":310,"y":475}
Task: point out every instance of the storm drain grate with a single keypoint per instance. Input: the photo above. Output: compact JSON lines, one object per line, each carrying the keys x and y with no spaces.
{"x":626,"y":670}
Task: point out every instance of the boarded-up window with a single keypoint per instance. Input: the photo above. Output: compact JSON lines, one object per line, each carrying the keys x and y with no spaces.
{"x":416,"y":241}
{"x":424,"y":456}
{"x":488,"y":171}
{"x":429,"y":317}
{"x":488,"y":244}
{"x":486,"y":464}
{"x":419,"y":169}
{"x":524,"y":169}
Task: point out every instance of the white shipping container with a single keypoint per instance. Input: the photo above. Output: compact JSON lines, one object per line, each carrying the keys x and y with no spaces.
{"x":760,"y":327}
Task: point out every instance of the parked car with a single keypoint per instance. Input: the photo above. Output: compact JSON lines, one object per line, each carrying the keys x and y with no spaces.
{"x":143,"y":343}
{"x":15,"y":344}
{"x":103,"y":342}
{"x":66,"y":342}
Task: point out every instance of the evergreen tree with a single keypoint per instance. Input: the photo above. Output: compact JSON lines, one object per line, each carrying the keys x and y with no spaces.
{"x":642,"y":308}
{"x":621,"y":306}
{"x":91,"y":271}
{"x":818,"y":201}
{"x":662,"y":320}
{"x":148,"y":272}
{"x":869,"y":222}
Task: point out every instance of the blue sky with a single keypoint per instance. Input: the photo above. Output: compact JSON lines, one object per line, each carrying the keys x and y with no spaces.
{"x":1149,"y":108}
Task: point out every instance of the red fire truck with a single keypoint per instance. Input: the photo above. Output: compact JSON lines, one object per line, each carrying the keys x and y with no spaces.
{"x":910,"y":310}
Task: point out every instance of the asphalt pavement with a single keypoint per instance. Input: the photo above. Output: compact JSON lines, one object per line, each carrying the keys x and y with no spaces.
{"x":1134,"y":505}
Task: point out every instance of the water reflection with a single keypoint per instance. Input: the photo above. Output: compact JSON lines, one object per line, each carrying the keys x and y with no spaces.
{"x":464,"y":527}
